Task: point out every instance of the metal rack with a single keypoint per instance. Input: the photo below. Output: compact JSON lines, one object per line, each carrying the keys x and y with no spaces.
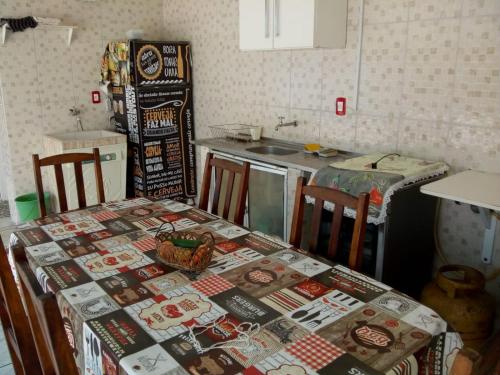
{"x":233,"y":132}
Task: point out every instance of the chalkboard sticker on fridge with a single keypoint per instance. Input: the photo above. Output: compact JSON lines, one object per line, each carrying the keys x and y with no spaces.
{"x":164,"y":161}
{"x":156,"y":113}
{"x":159,"y":63}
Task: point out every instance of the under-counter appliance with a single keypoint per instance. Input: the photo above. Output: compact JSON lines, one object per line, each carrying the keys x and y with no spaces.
{"x":155,"y":110}
{"x":267,"y":208}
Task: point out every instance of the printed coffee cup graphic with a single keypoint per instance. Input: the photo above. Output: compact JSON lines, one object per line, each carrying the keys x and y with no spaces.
{"x":372,"y":336}
{"x":174,"y":311}
{"x":149,"y":62}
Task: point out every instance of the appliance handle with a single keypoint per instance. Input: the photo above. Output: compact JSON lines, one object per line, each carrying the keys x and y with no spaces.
{"x":277,"y":25}
{"x":268,"y":26}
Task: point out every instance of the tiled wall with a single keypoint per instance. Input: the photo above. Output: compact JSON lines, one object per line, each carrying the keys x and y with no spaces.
{"x":430,"y":88}
{"x":41,"y":78}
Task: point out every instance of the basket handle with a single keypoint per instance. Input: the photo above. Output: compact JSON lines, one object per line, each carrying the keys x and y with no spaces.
{"x":161,"y":226}
{"x":210,"y":234}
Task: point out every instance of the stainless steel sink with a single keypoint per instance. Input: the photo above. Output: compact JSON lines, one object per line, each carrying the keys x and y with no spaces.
{"x":272,"y":150}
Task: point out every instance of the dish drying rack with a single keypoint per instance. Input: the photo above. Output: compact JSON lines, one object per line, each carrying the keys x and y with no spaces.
{"x":233,"y":132}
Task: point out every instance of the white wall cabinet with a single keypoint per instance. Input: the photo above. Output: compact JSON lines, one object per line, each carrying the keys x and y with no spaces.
{"x":287,"y":24}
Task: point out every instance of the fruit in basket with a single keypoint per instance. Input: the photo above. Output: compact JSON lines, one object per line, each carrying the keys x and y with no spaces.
{"x":191,"y":244}
{"x":200,"y":255}
{"x":165,"y":249}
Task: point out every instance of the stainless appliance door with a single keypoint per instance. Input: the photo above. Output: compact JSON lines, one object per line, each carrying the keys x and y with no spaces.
{"x":267,"y":197}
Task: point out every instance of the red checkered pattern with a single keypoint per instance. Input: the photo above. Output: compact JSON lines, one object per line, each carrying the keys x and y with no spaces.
{"x":314,"y":351}
{"x":148,"y":223}
{"x":105,"y":215}
{"x":212,"y":285}
{"x":145,"y":245}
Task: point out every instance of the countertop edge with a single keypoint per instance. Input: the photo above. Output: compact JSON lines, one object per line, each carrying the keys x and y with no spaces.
{"x":278,"y":160}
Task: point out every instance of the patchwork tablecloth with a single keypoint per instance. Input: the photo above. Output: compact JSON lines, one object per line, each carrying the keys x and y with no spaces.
{"x":127,"y":313}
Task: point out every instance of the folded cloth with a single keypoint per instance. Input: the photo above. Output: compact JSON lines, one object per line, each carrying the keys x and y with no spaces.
{"x":356,"y":175}
{"x":20,"y":24}
{"x":115,"y":65}
{"x":400,"y":165}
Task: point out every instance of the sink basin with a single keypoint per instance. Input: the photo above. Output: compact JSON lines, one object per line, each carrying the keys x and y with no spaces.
{"x":272,"y":150}
{"x":85,"y":135}
{"x":84,"y":139}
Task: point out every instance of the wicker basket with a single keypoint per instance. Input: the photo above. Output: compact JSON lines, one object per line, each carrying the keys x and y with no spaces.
{"x":186,"y":259}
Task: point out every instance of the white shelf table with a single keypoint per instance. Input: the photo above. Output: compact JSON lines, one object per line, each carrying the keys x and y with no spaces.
{"x":478,"y":189}
{"x":68,"y":29}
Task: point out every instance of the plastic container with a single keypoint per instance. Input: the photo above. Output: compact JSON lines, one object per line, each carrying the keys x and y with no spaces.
{"x":27,"y":206}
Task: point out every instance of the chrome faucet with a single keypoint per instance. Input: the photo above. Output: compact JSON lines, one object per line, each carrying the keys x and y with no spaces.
{"x":112,"y":121}
{"x":283,"y":124}
{"x":76,"y":112}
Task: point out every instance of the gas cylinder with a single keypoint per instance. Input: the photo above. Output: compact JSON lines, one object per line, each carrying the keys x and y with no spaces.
{"x":458,"y":295}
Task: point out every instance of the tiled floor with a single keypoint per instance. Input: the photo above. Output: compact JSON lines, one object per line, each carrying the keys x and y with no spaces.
{"x":6,"y":228}
{"x":5,"y":361}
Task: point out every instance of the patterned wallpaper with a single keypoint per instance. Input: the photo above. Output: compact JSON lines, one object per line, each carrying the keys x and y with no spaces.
{"x":4,"y":152}
{"x":430,"y":88}
{"x":41,"y":78}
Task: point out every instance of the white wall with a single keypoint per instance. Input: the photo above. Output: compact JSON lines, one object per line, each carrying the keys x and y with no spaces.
{"x":5,"y":171}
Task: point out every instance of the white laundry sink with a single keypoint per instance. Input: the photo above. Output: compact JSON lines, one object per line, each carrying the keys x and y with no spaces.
{"x":85,"y":139}
{"x":113,"y":149}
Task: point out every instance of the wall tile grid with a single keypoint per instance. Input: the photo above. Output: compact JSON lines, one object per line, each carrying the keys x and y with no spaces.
{"x":429,"y":88}
{"x":41,"y":78}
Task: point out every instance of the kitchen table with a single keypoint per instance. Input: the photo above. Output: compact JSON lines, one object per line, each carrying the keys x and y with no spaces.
{"x":127,"y":313}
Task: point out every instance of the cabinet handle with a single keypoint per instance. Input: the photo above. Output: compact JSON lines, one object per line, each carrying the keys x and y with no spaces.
{"x":277,"y":25}
{"x":267,"y":19}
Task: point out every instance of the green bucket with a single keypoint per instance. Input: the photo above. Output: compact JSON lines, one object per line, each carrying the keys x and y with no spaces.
{"x":27,"y":206}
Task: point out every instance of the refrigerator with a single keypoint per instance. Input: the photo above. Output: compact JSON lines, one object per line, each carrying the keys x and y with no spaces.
{"x":153,"y":105}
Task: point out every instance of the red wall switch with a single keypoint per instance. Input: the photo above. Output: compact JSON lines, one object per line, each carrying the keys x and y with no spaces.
{"x":96,"y":97}
{"x":341,"y":106}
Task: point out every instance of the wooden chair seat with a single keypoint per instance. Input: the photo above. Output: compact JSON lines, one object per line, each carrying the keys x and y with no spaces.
{"x":52,"y":346}
{"x":14,"y":322}
{"x":231,"y":169}
{"x":57,"y":161}
{"x":341,"y":200}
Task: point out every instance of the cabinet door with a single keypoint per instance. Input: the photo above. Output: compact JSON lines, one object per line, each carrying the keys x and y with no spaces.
{"x":256,"y":24}
{"x":294,"y":23}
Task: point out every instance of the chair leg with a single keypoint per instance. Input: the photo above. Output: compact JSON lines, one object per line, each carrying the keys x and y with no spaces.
{"x":16,"y":364}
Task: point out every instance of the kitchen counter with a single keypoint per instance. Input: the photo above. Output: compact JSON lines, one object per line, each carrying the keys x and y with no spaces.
{"x":299,"y":160}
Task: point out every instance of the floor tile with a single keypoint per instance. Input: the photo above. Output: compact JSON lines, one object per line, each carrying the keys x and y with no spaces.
{"x":4,"y":355}
{"x":4,"y":352}
{"x":7,"y":370}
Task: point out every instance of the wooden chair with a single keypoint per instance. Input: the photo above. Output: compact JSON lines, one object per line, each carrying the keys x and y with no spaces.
{"x":52,"y":345}
{"x":57,"y":161}
{"x":232,"y":169}
{"x":341,"y":200}
{"x":13,"y":318}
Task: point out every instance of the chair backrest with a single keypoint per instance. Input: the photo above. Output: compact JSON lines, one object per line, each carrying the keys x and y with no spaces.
{"x":341,"y":200}
{"x":13,"y":318}
{"x":47,"y":326}
{"x":232,"y":169}
{"x":57,"y":161}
